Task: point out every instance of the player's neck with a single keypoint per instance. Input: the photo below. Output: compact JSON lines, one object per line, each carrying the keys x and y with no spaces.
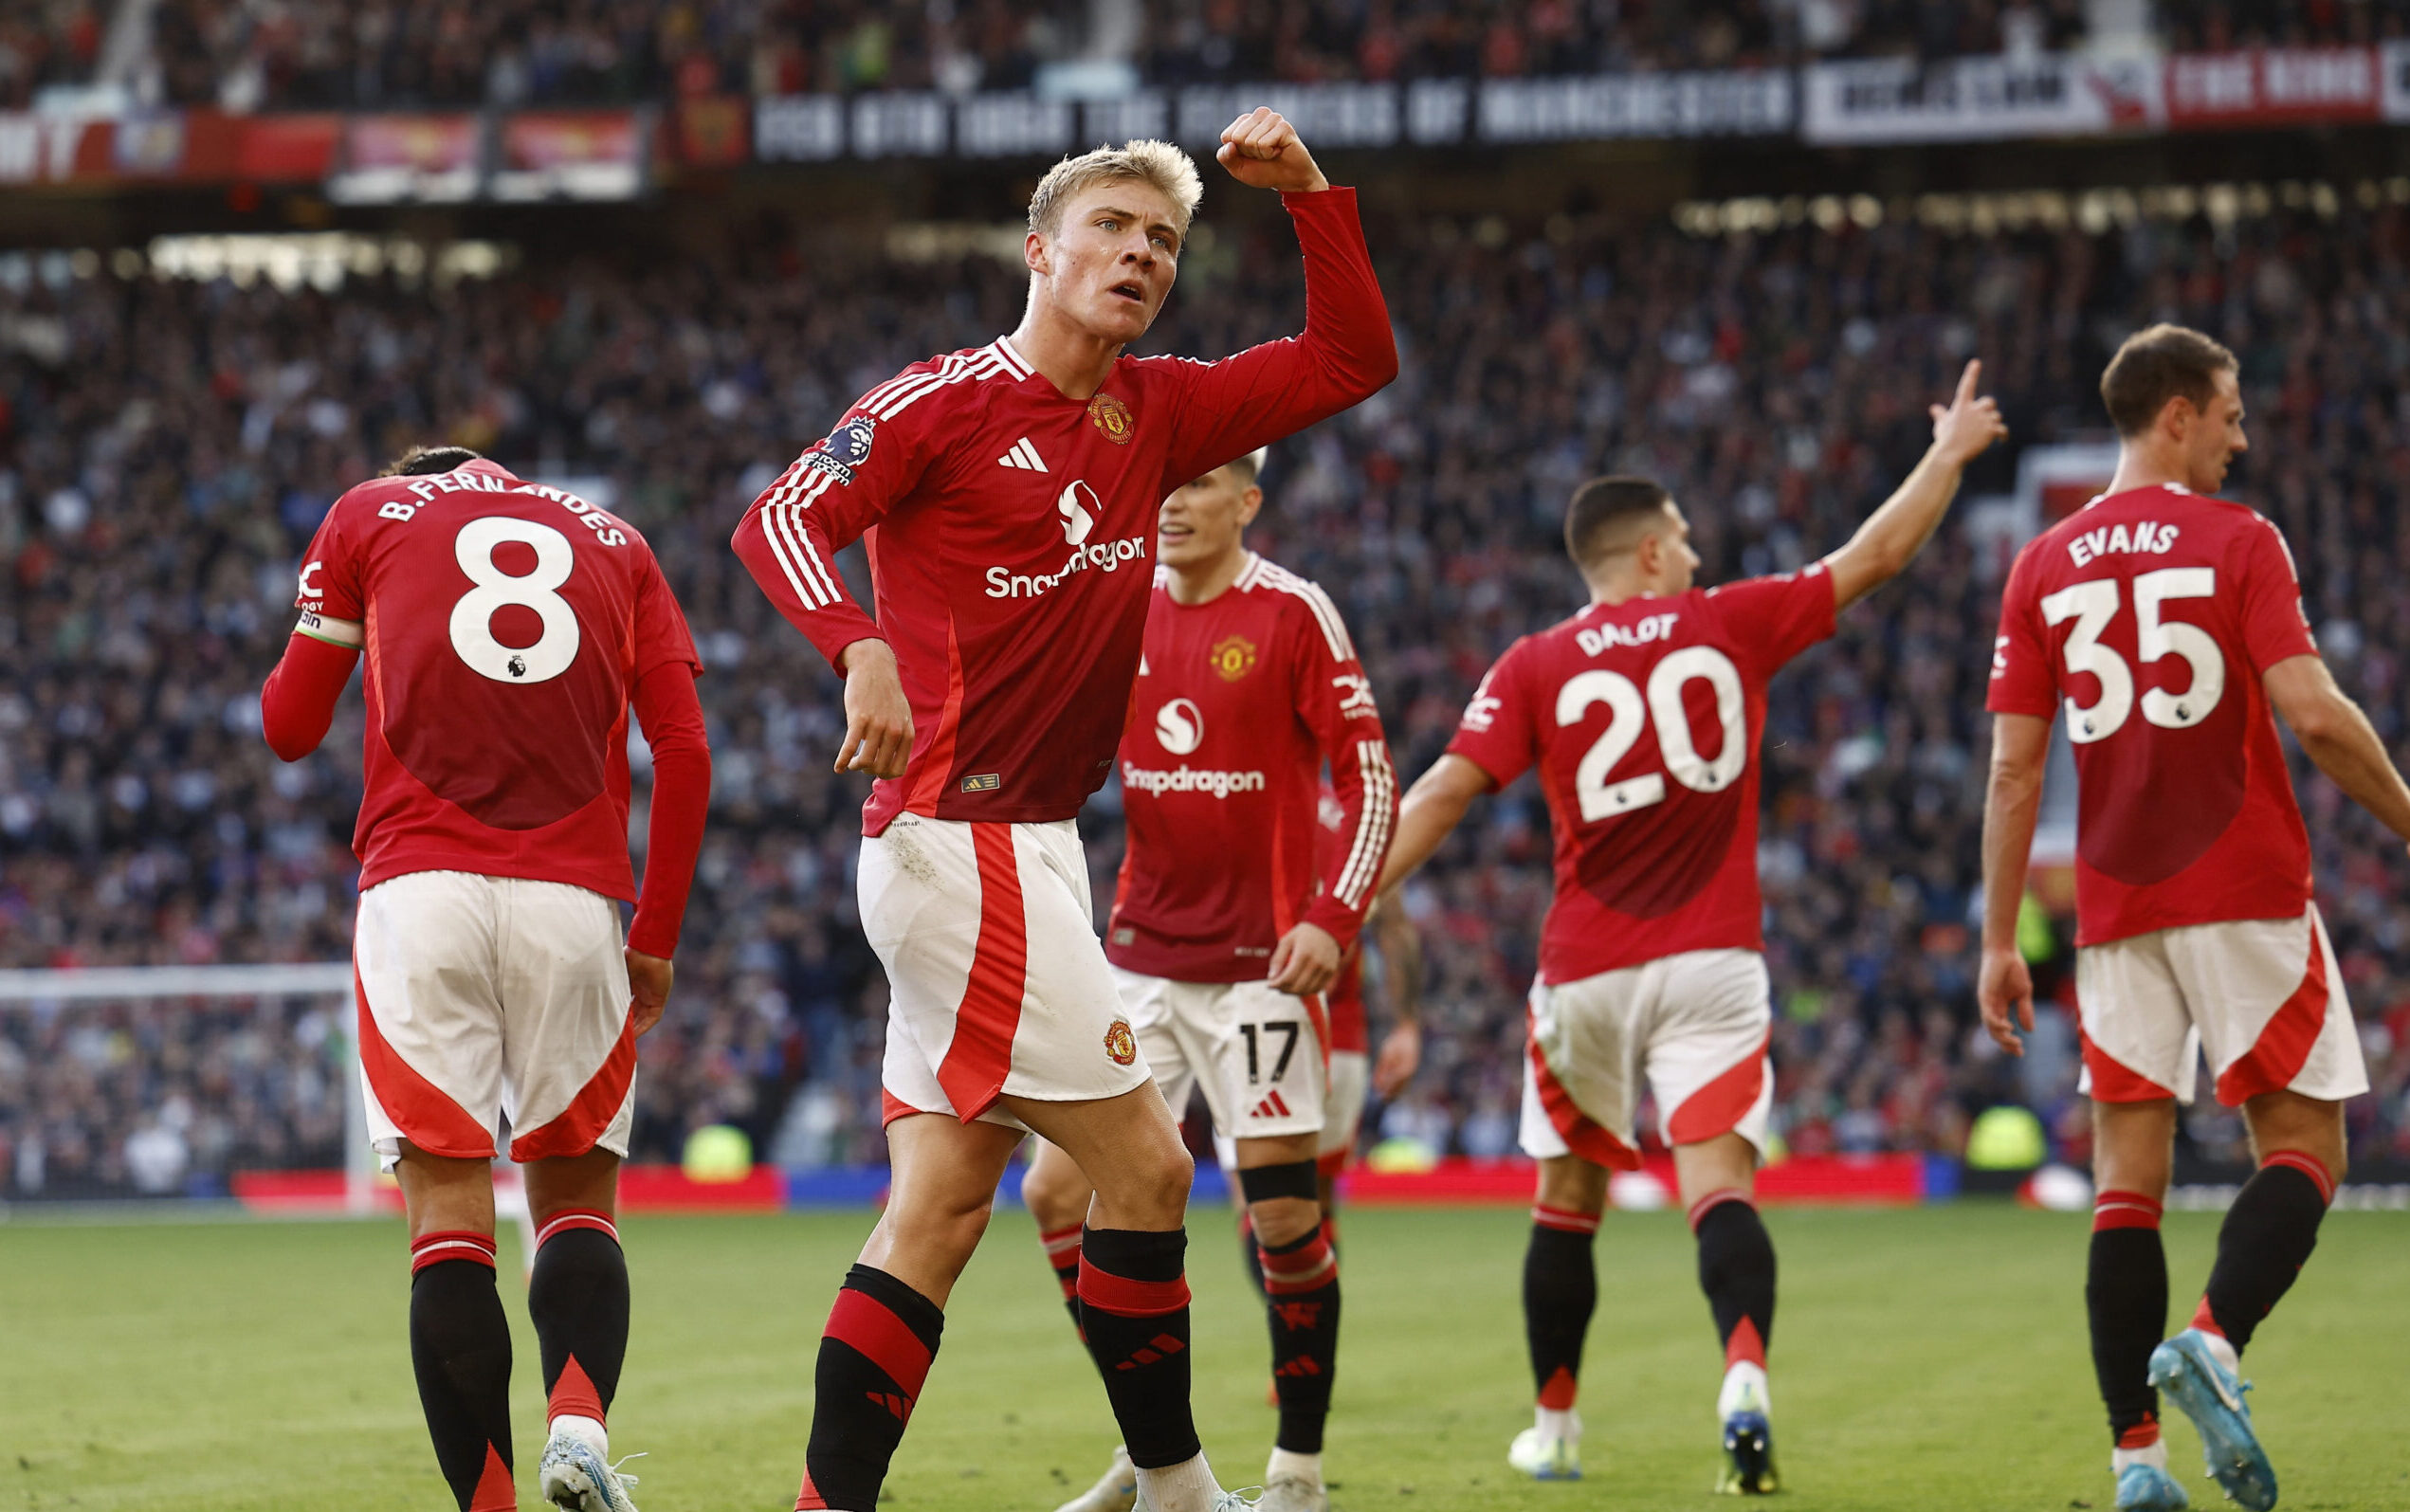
{"x":2140,"y":467}
{"x":1622,"y":590}
{"x":1203,"y":582}
{"x":1075,"y":360}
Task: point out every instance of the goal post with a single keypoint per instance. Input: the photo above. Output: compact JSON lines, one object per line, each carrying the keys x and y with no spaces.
{"x":320,"y":980}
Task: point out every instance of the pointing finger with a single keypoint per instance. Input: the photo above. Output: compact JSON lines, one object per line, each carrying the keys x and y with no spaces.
{"x":1967,"y":380}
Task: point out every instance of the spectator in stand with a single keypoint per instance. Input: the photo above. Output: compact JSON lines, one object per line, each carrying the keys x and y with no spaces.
{"x":166,"y":448}
{"x":44,"y":43}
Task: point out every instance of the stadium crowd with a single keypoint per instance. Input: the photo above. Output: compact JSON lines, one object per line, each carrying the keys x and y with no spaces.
{"x":167,"y":446}
{"x":312,"y":54}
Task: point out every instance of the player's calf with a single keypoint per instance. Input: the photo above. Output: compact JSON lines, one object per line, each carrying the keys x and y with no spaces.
{"x":460,"y":1349}
{"x":1302,"y":1300}
{"x":577,"y":1298}
{"x":1736,"y":1270}
{"x":2266,"y":1239}
{"x":2126,"y":1300}
{"x":875,"y":1355}
{"x":1560,"y":1292}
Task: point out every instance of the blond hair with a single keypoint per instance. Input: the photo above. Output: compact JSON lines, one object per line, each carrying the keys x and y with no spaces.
{"x":1148,"y":162}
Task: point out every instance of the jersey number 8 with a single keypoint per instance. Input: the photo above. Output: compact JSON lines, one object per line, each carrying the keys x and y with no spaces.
{"x":2092,"y":605}
{"x":1601,"y":800}
{"x":473,"y":616}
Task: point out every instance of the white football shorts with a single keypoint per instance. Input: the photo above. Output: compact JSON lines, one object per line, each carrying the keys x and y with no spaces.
{"x":2263,"y":998}
{"x":997,"y":981}
{"x":484,"y":996}
{"x":1350,"y":1081}
{"x":1696,"y":1023}
{"x":1256,"y":1053}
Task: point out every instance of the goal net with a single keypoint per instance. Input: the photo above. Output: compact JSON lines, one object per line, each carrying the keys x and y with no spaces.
{"x":155,"y":1083}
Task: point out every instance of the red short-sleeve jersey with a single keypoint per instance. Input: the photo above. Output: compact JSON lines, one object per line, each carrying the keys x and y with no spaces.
{"x":504,"y":624}
{"x":1643,"y":719}
{"x":2150,"y":616}
{"x":1239,"y":704}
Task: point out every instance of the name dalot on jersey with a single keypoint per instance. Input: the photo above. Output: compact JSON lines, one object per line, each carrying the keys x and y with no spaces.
{"x":1595,"y":638}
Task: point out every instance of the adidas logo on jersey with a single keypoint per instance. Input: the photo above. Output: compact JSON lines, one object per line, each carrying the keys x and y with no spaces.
{"x":1023,"y":456}
{"x":1273,"y":1106}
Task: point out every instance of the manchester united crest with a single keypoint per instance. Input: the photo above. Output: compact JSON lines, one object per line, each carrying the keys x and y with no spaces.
{"x":1120,"y":1042}
{"x":1113,"y":417}
{"x":1233,"y":658}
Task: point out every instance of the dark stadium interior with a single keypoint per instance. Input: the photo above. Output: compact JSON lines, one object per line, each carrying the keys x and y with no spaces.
{"x":168,"y":442}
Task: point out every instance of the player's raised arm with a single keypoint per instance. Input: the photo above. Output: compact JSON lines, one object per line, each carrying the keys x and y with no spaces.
{"x":1895,"y":534}
{"x":1346,"y":353}
{"x":789,"y":539}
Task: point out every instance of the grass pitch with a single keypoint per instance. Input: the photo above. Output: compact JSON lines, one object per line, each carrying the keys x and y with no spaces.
{"x":1927,"y":1359}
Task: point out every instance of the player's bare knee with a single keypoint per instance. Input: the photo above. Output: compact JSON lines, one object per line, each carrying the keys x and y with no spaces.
{"x":1571,"y":1184}
{"x":1056,"y":1197}
{"x":1149,"y":1189}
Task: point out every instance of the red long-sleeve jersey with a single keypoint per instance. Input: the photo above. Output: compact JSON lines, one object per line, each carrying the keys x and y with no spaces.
{"x":508,"y":626}
{"x":1239,"y":703}
{"x":1014,"y":528}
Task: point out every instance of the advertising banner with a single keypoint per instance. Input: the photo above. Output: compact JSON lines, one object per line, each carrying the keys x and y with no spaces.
{"x":389,"y":159}
{"x":582,"y":155}
{"x":2275,"y":87}
{"x":1899,"y":99}
{"x":1636,"y":105}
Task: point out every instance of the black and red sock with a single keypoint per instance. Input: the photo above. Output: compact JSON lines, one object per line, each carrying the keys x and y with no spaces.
{"x":1560,"y":1292}
{"x":1301,"y":1287}
{"x":1063,"y":1253}
{"x":875,"y":1358}
{"x":577,"y":1298}
{"x":1134,"y":1314}
{"x":1249,"y":1258}
{"x":2126,"y":1297}
{"x":2264,"y":1241}
{"x":460,"y":1349}
{"x":1736,"y":1270}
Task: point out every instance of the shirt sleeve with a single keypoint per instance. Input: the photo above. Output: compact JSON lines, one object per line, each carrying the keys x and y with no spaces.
{"x":1345,"y":354}
{"x":671,"y":717}
{"x":1334,"y":699}
{"x":2023,"y":680}
{"x":2274,"y":626}
{"x":661,"y":635}
{"x":1778,"y":617}
{"x":1497,"y":733}
{"x":841,"y":486}
{"x":332,"y":598}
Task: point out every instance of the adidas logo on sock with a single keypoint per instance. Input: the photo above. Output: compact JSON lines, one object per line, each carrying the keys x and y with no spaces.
{"x":1023,"y":456}
{"x":1271,"y":1107}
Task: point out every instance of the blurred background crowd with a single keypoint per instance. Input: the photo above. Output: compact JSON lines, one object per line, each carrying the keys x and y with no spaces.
{"x":168,"y":445}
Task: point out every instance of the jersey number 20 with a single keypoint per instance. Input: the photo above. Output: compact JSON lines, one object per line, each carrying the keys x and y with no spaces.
{"x":472,"y":624}
{"x":2092,"y":605}
{"x":1601,"y":800}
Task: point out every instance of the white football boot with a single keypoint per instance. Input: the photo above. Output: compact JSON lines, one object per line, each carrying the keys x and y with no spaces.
{"x":1546,"y":1455}
{"x":1293,"y":1493}
{"x":573,"y":1477}
{"x":1116,"y":1492}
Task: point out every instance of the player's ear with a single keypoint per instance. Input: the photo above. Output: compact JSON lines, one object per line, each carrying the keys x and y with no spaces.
{"x":1250,"y":504}
{"x":1033,"y":253}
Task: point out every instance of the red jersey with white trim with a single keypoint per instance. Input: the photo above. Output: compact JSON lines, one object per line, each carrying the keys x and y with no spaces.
{"x":1239,"y":703}
{"x":1015,"y":528}
{"x":2151,"y":616}
{"x":506,"y":624}
{"x":1644,"y":719}
{"x":1343,"y":1002}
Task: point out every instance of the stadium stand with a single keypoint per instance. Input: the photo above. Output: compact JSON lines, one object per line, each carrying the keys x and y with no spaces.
{"x":167,"y":445}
